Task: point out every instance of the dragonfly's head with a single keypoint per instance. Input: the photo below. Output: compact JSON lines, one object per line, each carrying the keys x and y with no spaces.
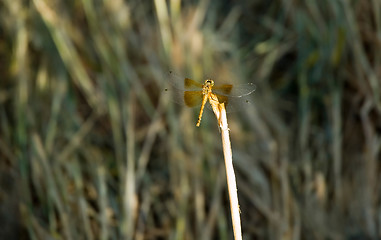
{"x":209,"y":82}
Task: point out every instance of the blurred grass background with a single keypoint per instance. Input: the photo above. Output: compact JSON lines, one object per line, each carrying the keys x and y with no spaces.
{"x":90,"y":148}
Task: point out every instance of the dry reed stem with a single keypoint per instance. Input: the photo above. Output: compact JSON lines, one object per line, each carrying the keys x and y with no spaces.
{"x":220,"y":112}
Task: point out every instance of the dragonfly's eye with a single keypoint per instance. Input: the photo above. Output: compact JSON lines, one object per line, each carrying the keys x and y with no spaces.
{"x":209,"y":81}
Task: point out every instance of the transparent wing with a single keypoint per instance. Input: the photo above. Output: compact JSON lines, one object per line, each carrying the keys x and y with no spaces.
{"x":238,"y":90}
{"x":242,"y":103}
{"x":183,"y":91}
{"x":235,"y":104}
{"x":182,"y":83}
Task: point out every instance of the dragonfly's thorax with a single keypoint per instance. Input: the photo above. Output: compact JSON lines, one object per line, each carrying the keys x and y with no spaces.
{"x":207,"y":87}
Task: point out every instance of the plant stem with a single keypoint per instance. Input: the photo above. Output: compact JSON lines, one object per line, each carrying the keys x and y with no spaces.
{"x":220,"y":112}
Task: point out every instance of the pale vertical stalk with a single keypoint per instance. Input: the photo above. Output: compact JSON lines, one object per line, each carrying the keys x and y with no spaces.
{"x":220,"y":112}
{"x":130,"y":199}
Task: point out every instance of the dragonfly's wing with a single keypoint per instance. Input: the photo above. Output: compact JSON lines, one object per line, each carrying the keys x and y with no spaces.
{"x":239,"y":103}
{"x":191,"y":84}
{"x":185,"y":98}
{"x":238,"y":90}
{"x":234,"y":104}
{"x":235,"y":97}
{"x":193,"y":98}
{"x":181,"y":83}
{"x":223,"y":89}
{"x":183,"y":91}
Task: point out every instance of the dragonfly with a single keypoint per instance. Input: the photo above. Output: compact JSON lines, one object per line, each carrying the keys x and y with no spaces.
{"x":192,"y":93}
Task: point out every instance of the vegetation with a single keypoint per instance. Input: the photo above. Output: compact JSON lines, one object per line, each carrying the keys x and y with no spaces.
{"x":90,"y":148}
